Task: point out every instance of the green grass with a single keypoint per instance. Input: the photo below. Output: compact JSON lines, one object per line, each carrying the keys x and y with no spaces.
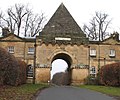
{"x":115,"y":91}
{"x":31,"y":88}
{"x":23,"y":92}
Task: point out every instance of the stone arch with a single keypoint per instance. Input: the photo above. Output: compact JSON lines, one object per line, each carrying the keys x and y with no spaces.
{"x":68,"y":58}
{"x":63,"y":55}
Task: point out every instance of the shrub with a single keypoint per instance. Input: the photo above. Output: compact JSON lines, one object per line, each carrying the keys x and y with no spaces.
{"x":22,"y":72}
{"x":6,"y":61}
{"x":97,"y":79}
{"x":90,"y":80}
{"x":12,"y":70}
{"x":110,"y":74}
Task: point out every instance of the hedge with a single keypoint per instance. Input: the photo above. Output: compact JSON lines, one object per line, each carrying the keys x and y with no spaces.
{"x":12,"y":70}
{"x":110,"y":74}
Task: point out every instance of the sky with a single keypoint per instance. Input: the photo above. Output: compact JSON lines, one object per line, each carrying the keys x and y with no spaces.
{"x":81,"y":10}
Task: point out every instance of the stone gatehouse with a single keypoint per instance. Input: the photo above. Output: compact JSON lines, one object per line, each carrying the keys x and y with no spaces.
{"x":62,"y":38}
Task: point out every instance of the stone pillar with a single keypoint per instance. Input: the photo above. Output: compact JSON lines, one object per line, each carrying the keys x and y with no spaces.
{"x":42,"y":75}
{"x":78,"y":75}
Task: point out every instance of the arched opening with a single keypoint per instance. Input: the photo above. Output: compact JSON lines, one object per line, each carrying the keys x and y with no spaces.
{"x":29,"y":71}
{"x":61,"y":73}
{"x":58,"y":65}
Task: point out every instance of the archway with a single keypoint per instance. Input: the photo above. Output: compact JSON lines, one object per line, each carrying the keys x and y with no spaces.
{"x":58,"y":65}
{"x":62,"y":77}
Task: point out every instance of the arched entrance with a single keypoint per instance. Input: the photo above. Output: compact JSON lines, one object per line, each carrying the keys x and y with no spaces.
{"x":62,"y":78}
{"x":58,"y":65}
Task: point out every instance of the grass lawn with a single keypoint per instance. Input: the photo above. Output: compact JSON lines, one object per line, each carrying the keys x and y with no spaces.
{"x":23,"y":92}
{"x":113,"y":91}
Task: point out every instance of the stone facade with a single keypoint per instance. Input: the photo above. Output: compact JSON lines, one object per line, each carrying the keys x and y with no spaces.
{"x":19,"y":46}
{"x":72,"y":54}
{"x":78,"y":76}
{"x":77,"y":56}
{"x":42,"y":75}
{"x":62,"y":38}
{"x":83,"y":57}
{"x":107,"y":52}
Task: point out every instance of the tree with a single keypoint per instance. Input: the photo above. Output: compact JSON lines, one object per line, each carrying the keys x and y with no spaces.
{"x":21,"y":19}
{"x":97,"y":30}
{"x":61,"y":78}
{"x":35,"y":28}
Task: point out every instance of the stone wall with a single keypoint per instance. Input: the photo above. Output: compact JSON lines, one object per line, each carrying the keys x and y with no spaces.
{"x":42,"y":75}
{"x":78,"y":76}
{"x":103,"y":53}
{"x":45,"y":53}
{"x":20,"y":47}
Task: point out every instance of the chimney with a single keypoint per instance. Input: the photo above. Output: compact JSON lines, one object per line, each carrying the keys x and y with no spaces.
{"x":5,"y":31}
{"x":115,"y":36}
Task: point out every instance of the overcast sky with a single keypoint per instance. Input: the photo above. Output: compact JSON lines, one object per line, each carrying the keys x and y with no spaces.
{"x":81,"y":10}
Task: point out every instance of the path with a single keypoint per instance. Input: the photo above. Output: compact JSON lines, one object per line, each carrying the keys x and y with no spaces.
{"x":71,"y":93}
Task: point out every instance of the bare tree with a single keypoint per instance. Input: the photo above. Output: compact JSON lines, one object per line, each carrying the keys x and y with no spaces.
{"x":21,"y":19}
{"x":17,"y":15}
{"x":11,"y":23}
{"x":27,"y":22}
{"x":7,"y":22}
{"x":35,"y":24}
{"x":97,"y":30}
{"x":1,"y":19}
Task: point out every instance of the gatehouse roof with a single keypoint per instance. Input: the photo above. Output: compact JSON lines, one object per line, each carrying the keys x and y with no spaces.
{"x":62,"y":24}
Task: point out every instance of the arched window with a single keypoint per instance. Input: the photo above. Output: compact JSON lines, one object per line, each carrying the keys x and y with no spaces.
{"x":30,"y":71}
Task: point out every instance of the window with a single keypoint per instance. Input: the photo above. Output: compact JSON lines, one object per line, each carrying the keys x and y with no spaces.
{"x":29,"y":71}
{"x":93,"y":71}
{"x":92,"y":52}
{"x":112,"y":53}
{"x":11,"y":49}
{"x":31,"y":50}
